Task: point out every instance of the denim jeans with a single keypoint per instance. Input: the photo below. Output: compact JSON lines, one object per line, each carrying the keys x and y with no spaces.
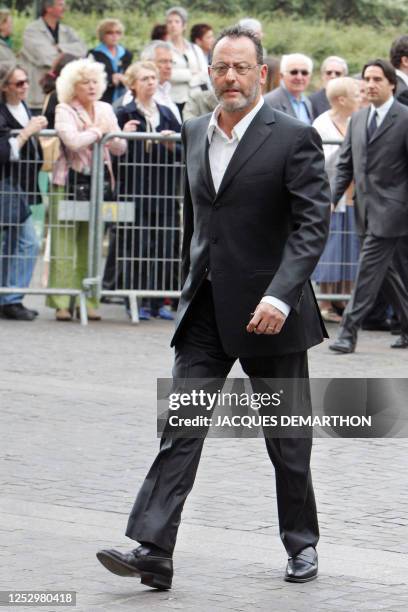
{"x":19,"y":251}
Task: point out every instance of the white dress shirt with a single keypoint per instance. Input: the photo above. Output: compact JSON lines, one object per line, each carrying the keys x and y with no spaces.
{"x":381,"y":111}
{"x":220,"y":152}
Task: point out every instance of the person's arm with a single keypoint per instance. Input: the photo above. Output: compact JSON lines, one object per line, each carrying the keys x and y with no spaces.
{"x":69,"y":42}
{"x":68,"y":131}
{"x":117,"y":146}
{"x":344,"y":167}
{"x":188,"y":219}
{"x":309,"y":201}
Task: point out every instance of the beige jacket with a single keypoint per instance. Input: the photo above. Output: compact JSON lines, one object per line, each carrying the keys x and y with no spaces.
{"x":6,"y":54}
{"x":39,"y":51}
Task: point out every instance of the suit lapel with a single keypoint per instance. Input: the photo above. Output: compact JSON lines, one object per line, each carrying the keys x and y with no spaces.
{"x":386,"y":124}
{"x":205,"y":160}
{"x":254,"y":136}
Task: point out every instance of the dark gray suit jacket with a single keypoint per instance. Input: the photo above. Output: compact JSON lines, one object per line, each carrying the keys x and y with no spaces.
{"x":380,"y":171}
{"x":261,"y":234}
{"x":278,"y":98}
{"x":319,"y":102}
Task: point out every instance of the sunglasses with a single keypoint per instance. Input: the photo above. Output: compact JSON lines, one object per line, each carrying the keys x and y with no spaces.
{"x":296,"y":71}
{"x":336,"y":73}
{"x":20,"y":84}
{"x":113,"y":32}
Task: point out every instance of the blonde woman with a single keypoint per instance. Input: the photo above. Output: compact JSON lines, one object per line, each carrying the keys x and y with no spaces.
{"x":81,"y":119}
{"x":114,"y":57}
{"x":337,"y":267}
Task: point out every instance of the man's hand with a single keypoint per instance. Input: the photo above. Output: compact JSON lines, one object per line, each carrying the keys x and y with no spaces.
{"x":266,"y":320}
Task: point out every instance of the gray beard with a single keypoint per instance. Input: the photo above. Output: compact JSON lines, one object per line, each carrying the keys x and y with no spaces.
{"x":231,"y":107}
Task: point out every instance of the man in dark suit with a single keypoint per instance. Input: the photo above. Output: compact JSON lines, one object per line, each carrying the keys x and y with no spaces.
{"x":399,"y":59}
{"x":296,"y":71}
{"x":332,"y":67}
{"x":256,"y":215}
{"x":375,"y":153}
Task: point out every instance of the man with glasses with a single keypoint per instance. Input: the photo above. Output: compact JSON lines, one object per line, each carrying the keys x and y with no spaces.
{"x":296,"y":71}
{"x":255,"y":225}
{"x":332,"y":67}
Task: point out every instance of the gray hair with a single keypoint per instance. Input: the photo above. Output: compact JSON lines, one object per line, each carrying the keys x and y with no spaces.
{"x":180,"y":11}
{"x":295,"y":57}
{"x":250,"y":24}
{"x":334,"y":58}
{"x":149,"y":51}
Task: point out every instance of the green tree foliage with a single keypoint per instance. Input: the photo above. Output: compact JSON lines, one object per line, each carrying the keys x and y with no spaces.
{"x":369,"y":12}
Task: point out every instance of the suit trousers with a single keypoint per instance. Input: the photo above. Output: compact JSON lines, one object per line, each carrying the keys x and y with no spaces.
{"x":156,"y":513}
{"x":376,"y":269}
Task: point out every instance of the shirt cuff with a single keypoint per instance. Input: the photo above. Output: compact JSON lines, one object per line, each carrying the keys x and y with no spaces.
{"x":282,"y":306}
{"x":14,"y":150}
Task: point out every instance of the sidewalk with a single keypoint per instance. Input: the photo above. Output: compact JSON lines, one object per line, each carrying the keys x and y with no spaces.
{"x":77,"y":431}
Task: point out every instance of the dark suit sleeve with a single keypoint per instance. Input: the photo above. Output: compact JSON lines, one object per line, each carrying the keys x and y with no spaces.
{"x":188,"y":219}
{"x":309,"y":201}
{"x":344,"y":167}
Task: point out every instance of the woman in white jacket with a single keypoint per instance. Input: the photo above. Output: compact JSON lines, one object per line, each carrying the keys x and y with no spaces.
{"x":189,"y":62}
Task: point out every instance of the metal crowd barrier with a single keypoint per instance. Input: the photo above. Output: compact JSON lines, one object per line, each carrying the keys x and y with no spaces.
{"x":122,"y":245}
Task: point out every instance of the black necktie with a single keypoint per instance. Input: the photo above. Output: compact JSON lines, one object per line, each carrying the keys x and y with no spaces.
{"x":372,"y":126}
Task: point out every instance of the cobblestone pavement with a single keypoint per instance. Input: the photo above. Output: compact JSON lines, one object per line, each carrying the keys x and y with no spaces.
{"x":77,"y":434}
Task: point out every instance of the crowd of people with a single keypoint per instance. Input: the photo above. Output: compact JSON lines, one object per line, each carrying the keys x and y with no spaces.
{"x":56,"y":81}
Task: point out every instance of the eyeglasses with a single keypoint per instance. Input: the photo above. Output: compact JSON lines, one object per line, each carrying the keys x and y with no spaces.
{"x":19,"y":84}
{"x":336,"y":73}
{"x":296,"y":71}
{"x":114,"y":32}
{"x":164,"y":61}
{"x":222,"y":69}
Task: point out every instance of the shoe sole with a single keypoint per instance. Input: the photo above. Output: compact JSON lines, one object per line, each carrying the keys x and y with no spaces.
{"x":155,"y":581}
{"x":338,"y":350}
{"x":289,"y":579}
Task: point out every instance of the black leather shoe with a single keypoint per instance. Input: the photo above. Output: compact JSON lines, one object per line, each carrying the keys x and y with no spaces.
{"x":343,"y":345}
{"x":384,"y":325}
{"x":155,"y":571}
{"x":303,"y":567}
{"x":18,"y":312}
{"x":401,"y":342}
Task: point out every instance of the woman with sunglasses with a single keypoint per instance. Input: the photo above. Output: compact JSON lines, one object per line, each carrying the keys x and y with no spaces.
{"x":20,"y":161}
{"x":115,"y":58}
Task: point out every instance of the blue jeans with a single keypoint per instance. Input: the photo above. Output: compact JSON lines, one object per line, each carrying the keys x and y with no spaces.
{"x":19,"y":252}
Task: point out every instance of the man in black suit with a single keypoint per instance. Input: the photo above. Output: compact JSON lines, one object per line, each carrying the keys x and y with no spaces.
{"x":256,"y":214}
{"x":399,"y":59}
{"x":332,"y":67}
{"x":375,"y":153}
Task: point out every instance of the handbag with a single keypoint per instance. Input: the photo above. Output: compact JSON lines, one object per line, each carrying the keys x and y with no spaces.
{"x":79,"y":186}
{"x":14,"y":208}
{"x":50,"y":145}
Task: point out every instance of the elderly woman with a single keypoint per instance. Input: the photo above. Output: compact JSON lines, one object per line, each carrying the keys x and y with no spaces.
{"x":20,"y":162}
{"x":149,"y":179}
{"x":337,"y":266}
{"x":189,"y":63}
{"x":115,"y":58}
{"x":81,"y":119}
